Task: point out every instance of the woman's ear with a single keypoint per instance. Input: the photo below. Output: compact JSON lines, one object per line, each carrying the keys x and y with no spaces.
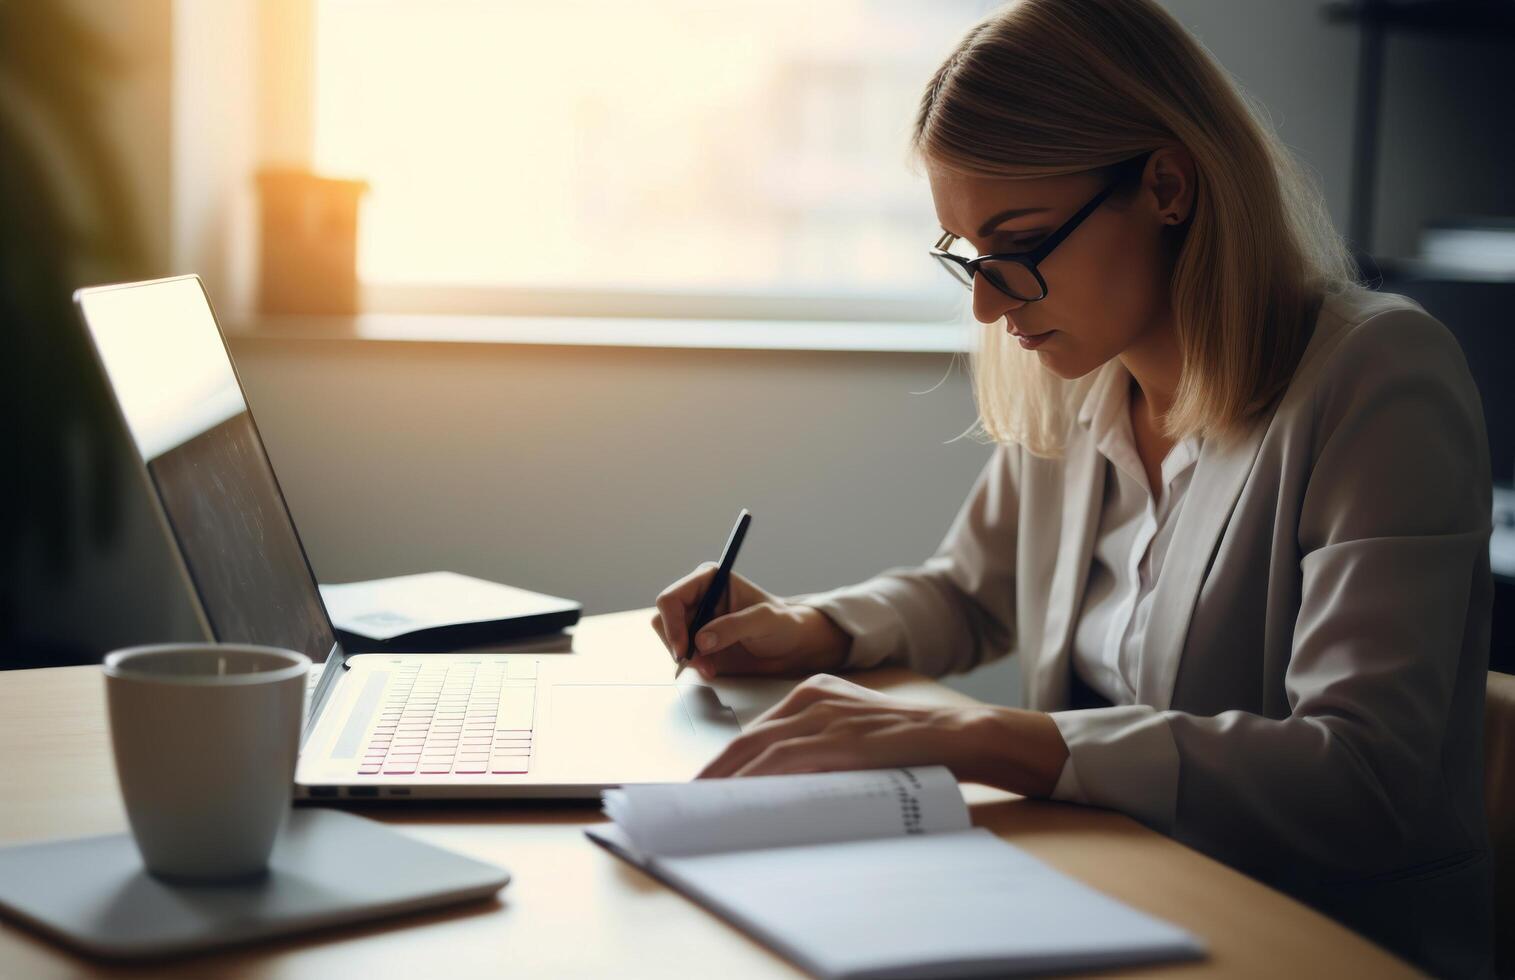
{"x":1169,"y":184}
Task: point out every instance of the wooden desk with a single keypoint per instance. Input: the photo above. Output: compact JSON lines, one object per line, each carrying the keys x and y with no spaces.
{"x":573,"y":910}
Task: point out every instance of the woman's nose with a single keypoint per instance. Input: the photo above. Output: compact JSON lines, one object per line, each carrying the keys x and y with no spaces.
{"x":990,"y":302}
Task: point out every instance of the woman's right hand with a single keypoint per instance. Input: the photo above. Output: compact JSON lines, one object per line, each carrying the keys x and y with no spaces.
{"x":753,"y":632}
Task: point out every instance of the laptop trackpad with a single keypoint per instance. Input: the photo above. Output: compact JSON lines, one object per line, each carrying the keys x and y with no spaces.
{"x":622,"y":733}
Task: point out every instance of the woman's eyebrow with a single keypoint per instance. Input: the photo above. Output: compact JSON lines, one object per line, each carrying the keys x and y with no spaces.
{"x":1006,"y":215}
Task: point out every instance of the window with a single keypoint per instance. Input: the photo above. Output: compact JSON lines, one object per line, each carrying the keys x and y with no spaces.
{"x":668,"y":157}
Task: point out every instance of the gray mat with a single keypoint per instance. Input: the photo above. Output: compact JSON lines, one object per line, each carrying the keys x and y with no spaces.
{"x":328,"y":868}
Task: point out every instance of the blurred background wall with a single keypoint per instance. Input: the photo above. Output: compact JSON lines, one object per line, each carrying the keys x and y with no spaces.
{"x":603,"y":471}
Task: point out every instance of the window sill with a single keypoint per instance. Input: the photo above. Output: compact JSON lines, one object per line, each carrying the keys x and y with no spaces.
{"x":557,"y":331}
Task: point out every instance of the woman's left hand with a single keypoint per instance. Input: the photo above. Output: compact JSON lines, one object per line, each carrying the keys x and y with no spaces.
{"x":827,"y":723}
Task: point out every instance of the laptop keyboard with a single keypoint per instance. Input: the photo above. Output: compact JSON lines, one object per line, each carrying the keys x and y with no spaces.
{"x":469,"y":718}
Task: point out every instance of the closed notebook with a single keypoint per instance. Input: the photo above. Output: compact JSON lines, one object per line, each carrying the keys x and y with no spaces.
{"x":875,"y":874}
{"x":436,"y":611}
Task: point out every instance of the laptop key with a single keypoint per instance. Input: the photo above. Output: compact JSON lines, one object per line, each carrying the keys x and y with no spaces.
{"x":463,"y":718}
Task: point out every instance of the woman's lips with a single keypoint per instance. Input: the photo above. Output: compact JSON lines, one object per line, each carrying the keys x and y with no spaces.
{"x":1032,"y":341}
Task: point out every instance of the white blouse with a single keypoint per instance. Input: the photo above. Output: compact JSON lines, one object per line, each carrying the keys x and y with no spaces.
{"x":1135,"y":529}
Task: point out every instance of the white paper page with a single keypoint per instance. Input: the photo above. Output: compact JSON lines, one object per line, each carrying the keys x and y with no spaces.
{"x":389,"y":607}
{"x":941,"y":905}
{"x":769,"y":811}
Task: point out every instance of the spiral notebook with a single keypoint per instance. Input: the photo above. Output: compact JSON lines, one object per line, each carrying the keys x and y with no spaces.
{"x":875,"y":874}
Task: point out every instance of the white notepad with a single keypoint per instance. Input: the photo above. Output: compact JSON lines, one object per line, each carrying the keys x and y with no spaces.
{"x":875,"y":874}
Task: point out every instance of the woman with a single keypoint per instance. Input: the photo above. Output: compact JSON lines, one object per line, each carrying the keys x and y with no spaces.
{"x":1236,"y":521}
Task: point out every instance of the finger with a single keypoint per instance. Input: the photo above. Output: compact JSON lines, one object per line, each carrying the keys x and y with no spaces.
{"x":880,"y":741}
{"x":675,"y":602}
{"x":748,"y":642}
{"x":657,"y":627}
{"x":753,"y":623}
{"x":661,"y":630}
{"x":735,"y":662}
{"x":813,"y":753}
{"x":757,"y":739}
{"x":737,"y":753}
{"x":817,"y":687}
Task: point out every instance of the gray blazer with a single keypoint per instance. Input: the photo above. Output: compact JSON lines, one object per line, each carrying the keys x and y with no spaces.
{"x":1311,"y":689}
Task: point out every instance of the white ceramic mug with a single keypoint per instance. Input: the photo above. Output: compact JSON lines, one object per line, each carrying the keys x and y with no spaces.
{"x":205,"y":739}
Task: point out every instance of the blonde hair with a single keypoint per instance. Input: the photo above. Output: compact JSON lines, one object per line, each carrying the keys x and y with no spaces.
{"x":1049,"y":87}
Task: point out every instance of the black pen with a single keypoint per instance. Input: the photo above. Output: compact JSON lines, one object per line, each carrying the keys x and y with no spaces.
{"x":712,"y":597}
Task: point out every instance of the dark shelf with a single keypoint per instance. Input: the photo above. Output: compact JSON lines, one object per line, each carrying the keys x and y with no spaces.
{"x":1492,"y":19}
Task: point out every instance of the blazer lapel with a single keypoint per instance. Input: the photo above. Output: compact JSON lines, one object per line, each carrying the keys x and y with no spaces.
{"x":1083,"y":493}
{"x":1219,"y":475}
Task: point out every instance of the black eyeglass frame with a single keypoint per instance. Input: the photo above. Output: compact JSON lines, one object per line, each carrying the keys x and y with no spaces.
{"x":1034,"y":257}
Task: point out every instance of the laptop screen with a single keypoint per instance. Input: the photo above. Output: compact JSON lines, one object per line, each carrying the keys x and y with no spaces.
{"x":171,"y":374}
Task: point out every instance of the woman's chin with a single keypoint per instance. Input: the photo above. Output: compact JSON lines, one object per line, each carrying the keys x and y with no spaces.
{"x":1059,"y":364}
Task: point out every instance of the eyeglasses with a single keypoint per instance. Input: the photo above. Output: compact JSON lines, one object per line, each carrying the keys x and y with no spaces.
{"x":1015,"y":273}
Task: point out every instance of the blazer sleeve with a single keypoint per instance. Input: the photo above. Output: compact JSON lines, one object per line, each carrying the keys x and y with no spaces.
{"x":1393,"y":540}
{"x":956,"y":610}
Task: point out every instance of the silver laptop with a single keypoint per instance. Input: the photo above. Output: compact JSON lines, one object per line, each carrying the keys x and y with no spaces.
{"x":378,"y":725}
